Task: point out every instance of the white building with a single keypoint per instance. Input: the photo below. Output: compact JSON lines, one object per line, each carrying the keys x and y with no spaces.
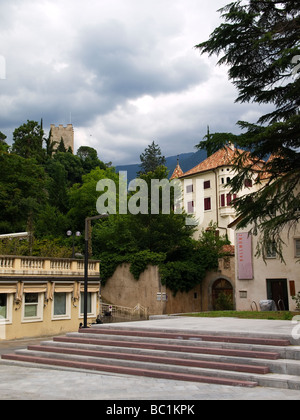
{"x":206,"y":193}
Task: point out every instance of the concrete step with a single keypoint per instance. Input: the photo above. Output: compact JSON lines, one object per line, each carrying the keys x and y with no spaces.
{"x":190,"y":347}
{"x":250,"y":341}
{"x":222,"y":359}
{"x":184,"y":336}
{"x":160,"y":370}
{"x":152,"y":358}
{"x":194,"y":340}
{"x":282,"y":366}
{"x":125,"y":370}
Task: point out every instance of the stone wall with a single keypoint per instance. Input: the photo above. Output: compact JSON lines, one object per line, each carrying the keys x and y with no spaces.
{"x":122,"y":289}
{"x":65,"y":133}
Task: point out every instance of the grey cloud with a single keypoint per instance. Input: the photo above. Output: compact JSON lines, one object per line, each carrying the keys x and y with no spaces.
{"x":90,"y":61}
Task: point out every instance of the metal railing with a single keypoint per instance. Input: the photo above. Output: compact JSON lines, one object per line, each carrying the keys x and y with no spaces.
{"x":123,"y":312}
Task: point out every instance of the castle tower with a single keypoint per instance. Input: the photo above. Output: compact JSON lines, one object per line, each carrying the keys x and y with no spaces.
{"x":65,"y":133}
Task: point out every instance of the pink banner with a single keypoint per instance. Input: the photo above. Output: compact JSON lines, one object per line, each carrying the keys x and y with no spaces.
{"x":244,"y":256}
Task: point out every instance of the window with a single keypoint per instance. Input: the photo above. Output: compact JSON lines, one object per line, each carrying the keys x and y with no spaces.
{"x":222,"y":200}
{"x":190,"y":207}
{"x":89,"y":303}
{"x":62,"y":305}
{"x":206,"y":185}
{"x":189,"y":188}
{"x":297,"y":248}
{"x":33,"y":304}
{"x":248,"y":183}
{"x":230,"y":198}
{"x":271,"y":251}
{"x":6,"y":308}
{"x":3,"y":306}
{"x":207,"y":203}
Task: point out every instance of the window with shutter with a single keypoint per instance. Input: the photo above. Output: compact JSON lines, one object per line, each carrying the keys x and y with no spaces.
{"x":207,"y":203}
{"x":190,"y":207}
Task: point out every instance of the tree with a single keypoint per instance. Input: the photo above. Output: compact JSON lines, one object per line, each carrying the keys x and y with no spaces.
{"x":57,"y":184}
{"x":3,"y":145}
{"x":156,"y":239}
{"x":215,"y":141}
{"x":72,"y":165}
{"x":50,"y":146}
{"x":28,"y":141}
{"x":22,"y":192}
{"x":89,"y":159}
{"x":259,"y":42}
{"x":83,"y":196}
{"x":151,"y":158}
{"x":61,"y":147}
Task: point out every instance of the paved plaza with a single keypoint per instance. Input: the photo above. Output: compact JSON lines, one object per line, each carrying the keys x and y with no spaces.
{"x":20,"y":382}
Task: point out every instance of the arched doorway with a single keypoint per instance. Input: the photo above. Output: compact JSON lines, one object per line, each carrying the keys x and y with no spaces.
{"x":222,"y":295}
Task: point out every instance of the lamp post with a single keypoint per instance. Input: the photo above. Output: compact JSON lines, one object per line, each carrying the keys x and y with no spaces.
{"x":86,"y":264}
{"x":70,"y":233}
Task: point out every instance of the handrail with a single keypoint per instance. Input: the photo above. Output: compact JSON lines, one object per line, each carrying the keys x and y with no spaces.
{"x":123,"y":311}
{"x":255,"y":305}
{"x":283,"y":305}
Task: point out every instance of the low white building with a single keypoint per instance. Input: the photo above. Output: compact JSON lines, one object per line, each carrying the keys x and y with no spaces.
{"x":270,"y":279}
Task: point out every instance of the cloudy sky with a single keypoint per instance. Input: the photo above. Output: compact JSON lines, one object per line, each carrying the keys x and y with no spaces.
{"x":124,"y":72}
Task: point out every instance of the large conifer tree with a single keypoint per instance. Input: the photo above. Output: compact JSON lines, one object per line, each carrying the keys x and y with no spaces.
{"x":260,"y":42}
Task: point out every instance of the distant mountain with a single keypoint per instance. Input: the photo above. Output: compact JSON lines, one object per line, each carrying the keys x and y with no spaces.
{"x":187,"y":161}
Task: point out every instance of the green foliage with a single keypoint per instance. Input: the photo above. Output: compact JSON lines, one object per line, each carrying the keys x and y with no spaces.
{"x":215,"y":141}
{"x":22,"y":191}
{"x":151,"y":159}
{"x":48,"y":193}
{"x":89,"y":159}
{"x":83,"y":196}
{"x":37,"y":185}
{"x":181,"y":276}
{"x":28,"y":141}
{"x":3,"y":145}
{"x":182,"y":265}
{"x":138,"y":262}
{"x":50,"y":248}
{"x":224,"y":302}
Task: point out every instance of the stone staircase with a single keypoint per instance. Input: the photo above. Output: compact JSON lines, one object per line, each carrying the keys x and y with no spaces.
{"x":217,"y":359}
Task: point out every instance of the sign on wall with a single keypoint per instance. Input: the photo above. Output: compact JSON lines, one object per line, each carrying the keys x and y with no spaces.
{"x":244,"y":256}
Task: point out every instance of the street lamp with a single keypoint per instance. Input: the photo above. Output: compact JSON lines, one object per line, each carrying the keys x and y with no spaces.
{"x":70,"y":233}
{"x":86,"y":264}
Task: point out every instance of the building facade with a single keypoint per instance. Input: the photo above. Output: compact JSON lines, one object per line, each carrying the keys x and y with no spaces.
{"x":206,"y":193}
{"x":43,"y":296}
{"x":62,"y":133}
{"x":271,"y":279}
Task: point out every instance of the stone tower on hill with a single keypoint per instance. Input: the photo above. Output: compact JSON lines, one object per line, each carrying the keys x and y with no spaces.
{"x":65,"y":133}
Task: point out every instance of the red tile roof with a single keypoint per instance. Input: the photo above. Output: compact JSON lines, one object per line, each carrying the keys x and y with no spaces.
{"x":178,"y":172}
{"x":223,"y":157}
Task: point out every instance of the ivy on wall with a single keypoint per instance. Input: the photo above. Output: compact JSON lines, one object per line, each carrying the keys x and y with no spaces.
{"x":180,"y":271}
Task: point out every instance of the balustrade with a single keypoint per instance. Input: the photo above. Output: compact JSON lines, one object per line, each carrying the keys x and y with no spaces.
{"x":45,"y":266}
{"x":6,"y":262}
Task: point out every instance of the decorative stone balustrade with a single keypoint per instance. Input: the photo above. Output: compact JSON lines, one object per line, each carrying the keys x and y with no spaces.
{"x":16,"y":266}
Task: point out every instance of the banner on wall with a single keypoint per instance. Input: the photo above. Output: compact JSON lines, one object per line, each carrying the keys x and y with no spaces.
{"x":244,"y":256}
